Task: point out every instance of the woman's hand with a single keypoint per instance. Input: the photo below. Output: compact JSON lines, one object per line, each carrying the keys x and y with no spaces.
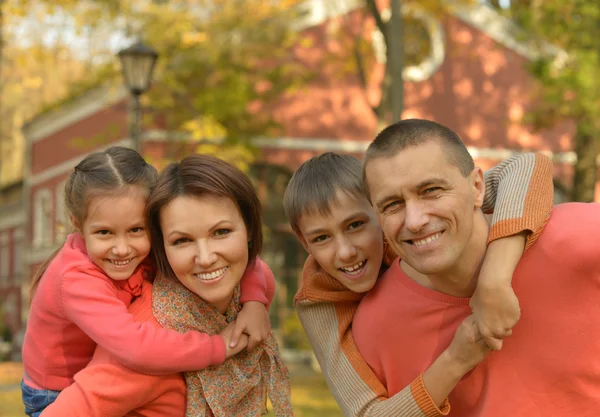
{"x":253,"y":320}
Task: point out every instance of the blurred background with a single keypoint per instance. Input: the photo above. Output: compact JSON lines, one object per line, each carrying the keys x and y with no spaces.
{"x":267,"y":84}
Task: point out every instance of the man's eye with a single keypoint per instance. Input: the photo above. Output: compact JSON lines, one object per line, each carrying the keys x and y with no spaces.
{"x":431,"y":190}
{"x":391,"y":205}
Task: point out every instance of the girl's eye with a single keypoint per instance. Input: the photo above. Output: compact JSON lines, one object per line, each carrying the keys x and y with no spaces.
{"x":103,"y":232}
{"x":137,"y":229}
{"x":222,"y":232}
{"x":181,"y":240}
{"x":356,"y":224}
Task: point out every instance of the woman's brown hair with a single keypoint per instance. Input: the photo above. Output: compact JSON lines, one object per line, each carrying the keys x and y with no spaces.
{"x":108,"y":172}
{"x":197,"y":176}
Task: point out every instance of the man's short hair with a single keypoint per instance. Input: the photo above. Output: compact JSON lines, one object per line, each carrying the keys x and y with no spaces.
{"x":316,"y":184}
{"x":415,"y":132}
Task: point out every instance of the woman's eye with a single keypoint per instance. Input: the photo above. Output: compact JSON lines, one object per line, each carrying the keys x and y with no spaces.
{"x":222,"y":232}
{"x":181,"y":240}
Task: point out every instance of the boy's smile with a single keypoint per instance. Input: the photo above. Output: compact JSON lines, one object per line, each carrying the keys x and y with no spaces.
{"x":347,"y":242}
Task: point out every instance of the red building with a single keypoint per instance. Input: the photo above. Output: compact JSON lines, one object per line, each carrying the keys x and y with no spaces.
{"x":473,"y":80}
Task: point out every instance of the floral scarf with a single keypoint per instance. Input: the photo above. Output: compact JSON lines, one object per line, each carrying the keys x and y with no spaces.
{"x":239,"y":386}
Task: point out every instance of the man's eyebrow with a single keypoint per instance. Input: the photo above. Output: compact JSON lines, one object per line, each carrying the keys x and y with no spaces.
{"x":432,"y":181}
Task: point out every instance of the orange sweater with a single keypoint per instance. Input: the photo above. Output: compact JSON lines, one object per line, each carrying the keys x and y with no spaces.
{"x":106,"y":388}
{"x":547,"y":368}
{"x":519,"y":192}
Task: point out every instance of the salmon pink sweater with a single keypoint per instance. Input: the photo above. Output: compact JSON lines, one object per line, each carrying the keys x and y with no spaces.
{"x":106,"y":388}
{"x":77,"y":306}
{"x":548,"y":367}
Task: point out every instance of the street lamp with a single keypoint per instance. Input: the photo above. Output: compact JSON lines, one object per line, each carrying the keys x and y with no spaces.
{"x":137,"y":63}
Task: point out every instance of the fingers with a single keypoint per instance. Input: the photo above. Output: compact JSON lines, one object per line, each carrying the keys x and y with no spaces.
{"x":253,"y":341}
{"x":493,"y":342}
{"x":238,"y":329}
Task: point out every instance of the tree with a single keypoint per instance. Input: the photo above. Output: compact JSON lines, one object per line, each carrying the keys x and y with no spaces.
{"x":406,"y":42}
{"x":221,"y":62}
{"x":569,"y":87}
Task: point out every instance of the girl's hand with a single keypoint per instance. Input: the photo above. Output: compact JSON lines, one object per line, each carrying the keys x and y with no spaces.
{"x":253,"y":320}
{"x":227,"y":335}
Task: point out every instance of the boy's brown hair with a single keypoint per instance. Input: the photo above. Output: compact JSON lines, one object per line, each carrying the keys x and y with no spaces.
{"x":316,"y":184}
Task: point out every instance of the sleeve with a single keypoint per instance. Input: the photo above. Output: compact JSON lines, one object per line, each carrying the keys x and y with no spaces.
{"x":253,"y":286}
{"x":326,"y":310}
{"x":520,"y":193}
{"x":90,"y":303}
{"x":353,"y":384}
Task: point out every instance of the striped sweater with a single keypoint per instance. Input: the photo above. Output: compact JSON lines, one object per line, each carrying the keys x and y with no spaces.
{"x":519,"y":193}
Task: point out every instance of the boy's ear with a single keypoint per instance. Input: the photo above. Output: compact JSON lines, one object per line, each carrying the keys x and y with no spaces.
{"x":74,"y":222}
{"x":302,"y":240}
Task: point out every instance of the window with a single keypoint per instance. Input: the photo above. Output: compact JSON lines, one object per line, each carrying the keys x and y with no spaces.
{"x":61,"y":224}
{"x":42,"y":227}
{"x":18,"y":266}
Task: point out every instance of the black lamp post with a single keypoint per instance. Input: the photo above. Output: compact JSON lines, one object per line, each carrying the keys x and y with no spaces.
{"x":137,"y":63}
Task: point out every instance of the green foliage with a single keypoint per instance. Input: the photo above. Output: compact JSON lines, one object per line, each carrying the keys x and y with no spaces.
{"x":294,"y":334}
{"x":569,"y":86}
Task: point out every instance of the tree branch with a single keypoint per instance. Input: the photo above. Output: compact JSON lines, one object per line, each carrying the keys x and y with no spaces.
{"x":381,"y":25}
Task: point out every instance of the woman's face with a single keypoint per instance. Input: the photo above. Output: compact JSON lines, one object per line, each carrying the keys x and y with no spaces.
{"x":206,"y":243}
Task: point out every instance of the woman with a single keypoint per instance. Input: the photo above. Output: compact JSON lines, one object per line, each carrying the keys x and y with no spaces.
{"x":201,"y":259}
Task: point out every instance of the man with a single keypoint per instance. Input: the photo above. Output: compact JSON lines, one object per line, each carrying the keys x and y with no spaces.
{"x":428,"y":193}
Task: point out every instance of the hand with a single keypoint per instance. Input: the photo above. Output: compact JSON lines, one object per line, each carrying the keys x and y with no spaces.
{"x":254,"y":321}
{"x":468,"y":348}
{"x":227,"y":335}
{"x":496,"y":310}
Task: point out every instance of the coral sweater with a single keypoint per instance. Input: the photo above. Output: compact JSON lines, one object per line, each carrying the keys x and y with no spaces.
{"x":518,"y":192}
{"x":77,"y":306}
{"x":106,"y":388}
{"x":549,"y":366}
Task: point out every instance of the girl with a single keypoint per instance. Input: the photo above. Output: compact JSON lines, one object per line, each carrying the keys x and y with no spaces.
{"x":200,"y":260}
{"x":83,"y":290}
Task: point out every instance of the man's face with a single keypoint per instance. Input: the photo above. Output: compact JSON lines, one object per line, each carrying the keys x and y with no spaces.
{"x":348,"y":243}
{"x":425,"y":206}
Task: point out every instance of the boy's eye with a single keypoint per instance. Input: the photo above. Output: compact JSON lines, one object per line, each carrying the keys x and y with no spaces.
{"x":181,"y":240}
{"x":222,"y":232}
{"x":320,"y":238}
{"x":356,"y":224}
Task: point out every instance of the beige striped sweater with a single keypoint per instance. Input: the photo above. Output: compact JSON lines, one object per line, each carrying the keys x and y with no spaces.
{"x":519,"y":193}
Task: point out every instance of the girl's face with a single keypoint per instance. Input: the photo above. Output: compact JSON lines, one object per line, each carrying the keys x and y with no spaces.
{"x":115,"y":233}
{"x":206,"y":243}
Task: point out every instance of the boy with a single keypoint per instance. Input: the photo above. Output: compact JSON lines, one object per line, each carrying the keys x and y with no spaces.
{"x":333,"y":219}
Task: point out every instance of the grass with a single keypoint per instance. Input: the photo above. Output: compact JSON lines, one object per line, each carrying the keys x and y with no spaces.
{"x":310,"y":395}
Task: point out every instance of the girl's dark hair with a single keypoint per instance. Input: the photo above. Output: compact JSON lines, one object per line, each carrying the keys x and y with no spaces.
{"x":197,"y":176}
{"x":110,"y":172}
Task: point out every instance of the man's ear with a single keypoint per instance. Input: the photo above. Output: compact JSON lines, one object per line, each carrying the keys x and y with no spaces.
{"x":478,"y":183}
{"x":74,"y":222}
{"x":302,"y":240}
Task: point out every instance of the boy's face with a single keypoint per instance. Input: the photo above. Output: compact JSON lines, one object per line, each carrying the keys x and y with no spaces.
{"x":348,"y":243}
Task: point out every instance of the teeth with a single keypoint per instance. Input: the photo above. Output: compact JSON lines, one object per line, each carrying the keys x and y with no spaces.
{"x":119,"y":263}
{"x":212,"y":275}
{"x":354,"y":269}
{"x":427,"y":240}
